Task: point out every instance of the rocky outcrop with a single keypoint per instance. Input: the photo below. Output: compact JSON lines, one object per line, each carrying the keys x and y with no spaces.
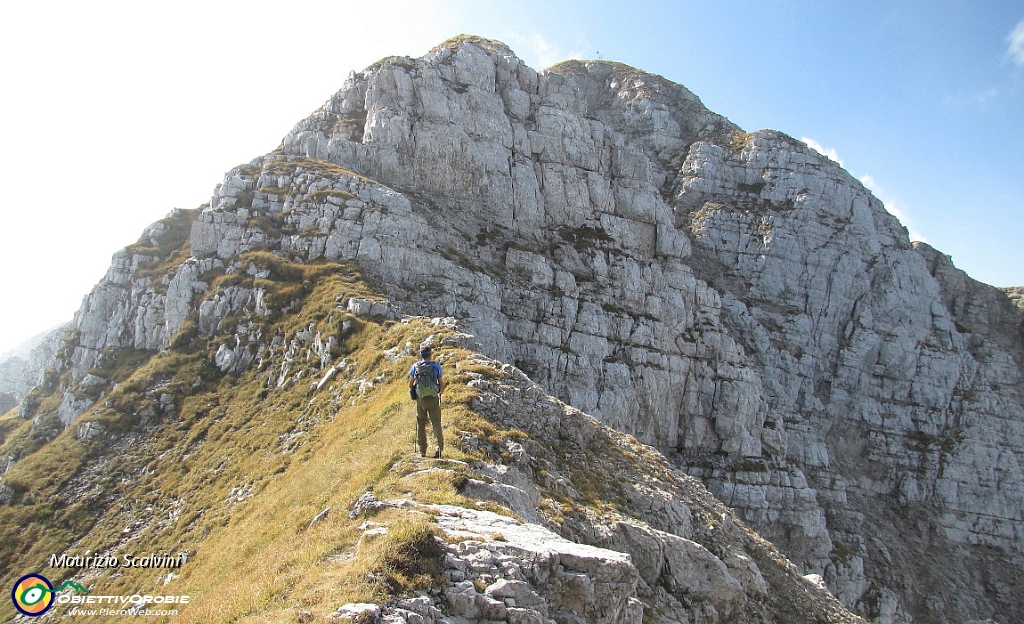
{"x":139,"y":304}
{"x":526,"y":573}
{"x":660,"y":550}
{"x":1016,"y":295}
{"x":734,"y":299}
{"x":15,"y":381}
{"x":895,"y":374}
{"x":23,"y":369}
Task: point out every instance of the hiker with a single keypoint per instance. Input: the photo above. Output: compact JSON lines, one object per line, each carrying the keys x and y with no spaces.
{"x":426,"y":386}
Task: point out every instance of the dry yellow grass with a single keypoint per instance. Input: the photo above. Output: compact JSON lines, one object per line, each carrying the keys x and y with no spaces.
{"x":219,"y":481}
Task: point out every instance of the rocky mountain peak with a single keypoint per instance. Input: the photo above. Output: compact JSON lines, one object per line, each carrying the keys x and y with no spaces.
{"x":490,"y":46}
{"x":734,"y":299}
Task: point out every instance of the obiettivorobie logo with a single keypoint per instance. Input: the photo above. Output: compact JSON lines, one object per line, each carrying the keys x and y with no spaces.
{"x":33,"y":594}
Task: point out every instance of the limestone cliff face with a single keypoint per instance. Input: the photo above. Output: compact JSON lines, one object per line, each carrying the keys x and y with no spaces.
{"x":735,"y":299}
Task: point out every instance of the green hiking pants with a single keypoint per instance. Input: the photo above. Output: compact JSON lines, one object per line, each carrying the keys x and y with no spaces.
{"x":428,"y":408}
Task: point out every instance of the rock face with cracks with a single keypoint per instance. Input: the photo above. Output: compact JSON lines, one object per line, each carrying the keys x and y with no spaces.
{"x":734,"y":299}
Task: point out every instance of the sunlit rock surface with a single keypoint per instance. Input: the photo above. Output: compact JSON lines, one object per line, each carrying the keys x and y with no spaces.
{"x":736,"y":300}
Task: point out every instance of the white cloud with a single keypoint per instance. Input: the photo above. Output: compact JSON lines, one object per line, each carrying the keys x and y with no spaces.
{"x":829,"y":152}
{"x":540,"y":53}
{"x":547,"y":53}
{"x":891,"y":206}
{"x":1015,"y":51}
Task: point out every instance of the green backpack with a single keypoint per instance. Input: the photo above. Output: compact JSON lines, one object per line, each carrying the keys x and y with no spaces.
{"x":426,"y":379}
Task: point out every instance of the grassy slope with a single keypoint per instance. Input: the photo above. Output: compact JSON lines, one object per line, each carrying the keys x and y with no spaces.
{"x":236,"y":476}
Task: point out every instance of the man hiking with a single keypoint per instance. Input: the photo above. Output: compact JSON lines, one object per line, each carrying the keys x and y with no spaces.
{"x":426,"y":386}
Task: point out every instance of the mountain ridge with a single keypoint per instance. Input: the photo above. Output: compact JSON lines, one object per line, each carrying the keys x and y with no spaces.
{"x":734,"y":299}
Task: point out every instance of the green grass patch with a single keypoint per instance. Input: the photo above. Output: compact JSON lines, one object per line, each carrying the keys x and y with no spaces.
{"x":11,"y":424}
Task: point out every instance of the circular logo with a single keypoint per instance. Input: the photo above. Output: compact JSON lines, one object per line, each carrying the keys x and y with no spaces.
{"x":32,"y":595}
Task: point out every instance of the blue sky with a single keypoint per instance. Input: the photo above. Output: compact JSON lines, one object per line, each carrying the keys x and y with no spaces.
{"x":114,"y":112}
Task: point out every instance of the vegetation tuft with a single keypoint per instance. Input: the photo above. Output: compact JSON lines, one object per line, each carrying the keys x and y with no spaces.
{"x":738,"y":141}
{"x":585,"y":237}
{"x":168,"y":250}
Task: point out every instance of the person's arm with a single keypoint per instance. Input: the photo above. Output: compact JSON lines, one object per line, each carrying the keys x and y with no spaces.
{"x":440,"y":381}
